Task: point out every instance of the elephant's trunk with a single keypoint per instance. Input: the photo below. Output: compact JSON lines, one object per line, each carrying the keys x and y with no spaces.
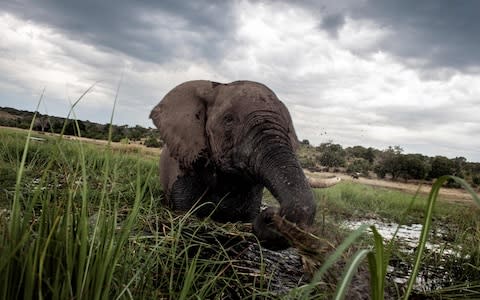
{"x":273,"y":162}
{"x":282,"y":175}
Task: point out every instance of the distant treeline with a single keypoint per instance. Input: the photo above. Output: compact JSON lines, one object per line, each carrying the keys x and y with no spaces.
{"x":358,"y":160}
{"x":22,"y":119}
{"x":390,"y":163}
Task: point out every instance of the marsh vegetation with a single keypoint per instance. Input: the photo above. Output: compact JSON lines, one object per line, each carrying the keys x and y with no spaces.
{"x":81,"y":220}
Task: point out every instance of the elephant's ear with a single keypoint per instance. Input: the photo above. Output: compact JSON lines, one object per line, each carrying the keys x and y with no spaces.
{"x":291,"y":131}
{"x":180,"y":117}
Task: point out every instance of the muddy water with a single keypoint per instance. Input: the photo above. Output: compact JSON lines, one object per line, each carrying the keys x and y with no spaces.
{"x":407,"y":238}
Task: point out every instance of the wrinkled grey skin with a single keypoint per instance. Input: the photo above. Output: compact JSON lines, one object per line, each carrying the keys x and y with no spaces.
{"x":224,"y":143}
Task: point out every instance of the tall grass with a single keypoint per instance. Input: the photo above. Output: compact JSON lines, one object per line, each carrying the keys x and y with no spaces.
{"x":428,"y":221}
{"x":378,"y":254}
{"x":49,"y":249}
{"x":354,"y":200}
{"x":89,"y":225}
{"x":84,"y":221}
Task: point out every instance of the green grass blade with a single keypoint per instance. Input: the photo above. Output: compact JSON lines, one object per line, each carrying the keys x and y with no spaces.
{"x":317,"y":278}
{"x":467,"y":187}
{"x":378,"y":262}
{"x":189,"y":276}
{"x":427,"y":223}
{"x":72,"y":106}
{"x":14,"y":226}
{"x":350,"y":270}
{"x":117,"y":92}
{"x":44,"y":253}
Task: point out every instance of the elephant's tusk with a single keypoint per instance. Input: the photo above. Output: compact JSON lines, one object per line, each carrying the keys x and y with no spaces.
{"x":323,"y":182}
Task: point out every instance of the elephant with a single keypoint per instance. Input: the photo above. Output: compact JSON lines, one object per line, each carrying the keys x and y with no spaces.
{"x":223,"y":144}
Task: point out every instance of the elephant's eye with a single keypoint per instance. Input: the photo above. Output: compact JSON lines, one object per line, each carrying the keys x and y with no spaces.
{"x":228,"y":119}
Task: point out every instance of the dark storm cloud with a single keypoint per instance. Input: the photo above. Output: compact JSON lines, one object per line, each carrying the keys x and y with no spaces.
{"x":332,"y":23}
{"x":430,"y":33}
{"x":154,"y":31}
{"x":443,"y":33}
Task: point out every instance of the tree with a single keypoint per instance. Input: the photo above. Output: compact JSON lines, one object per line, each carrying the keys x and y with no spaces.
{"x":153,"y":142}
{"x":459,"y":166}
{"x":71,"y":128}
{"x":136,"y":133}
{"x":476,"y":180}
{"x":441,"y":165}
{"x":331,"y":155}
{"x":380,"y":171}
{"x":118,"y":133}
{"x":413,"y":166}
{"x":369,"y":155}
{"x":359,"y":165}
{"x":305,"y":142}
{"x":41,"y":123}
{"x":389,"y":162}
{"x":57,"y":126}
{"x":362,"y":152}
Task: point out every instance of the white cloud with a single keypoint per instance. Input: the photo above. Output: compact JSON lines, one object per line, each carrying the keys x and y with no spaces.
{"x":335,"y":94}
{"x":344,"y":88}
{"x":360,"y":35}
{"x":41,"y":57}
{"x":36,"y":58}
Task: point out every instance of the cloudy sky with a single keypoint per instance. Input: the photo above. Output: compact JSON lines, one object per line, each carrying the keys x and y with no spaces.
{"x":355,"y":72}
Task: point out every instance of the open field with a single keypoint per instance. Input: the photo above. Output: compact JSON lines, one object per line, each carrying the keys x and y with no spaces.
{"x":446,"y":194}
{"x":82,"y":220}
{"x":134,"y":147}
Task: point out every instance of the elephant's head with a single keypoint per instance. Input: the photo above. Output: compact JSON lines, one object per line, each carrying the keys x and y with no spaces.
{"x":242,"y":127}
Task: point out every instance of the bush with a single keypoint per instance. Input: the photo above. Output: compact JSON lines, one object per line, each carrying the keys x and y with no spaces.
{"x":476,"y":180}
{"x":359,"y":165}
{"x":153,"y":142}
{"x":116,"y":138}
{"x":331,"y":155}
{"x":441,"y":165}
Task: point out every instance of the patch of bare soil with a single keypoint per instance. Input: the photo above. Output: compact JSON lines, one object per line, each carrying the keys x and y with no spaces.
{"x":446,"y":194}
{"x":131,"y":147}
